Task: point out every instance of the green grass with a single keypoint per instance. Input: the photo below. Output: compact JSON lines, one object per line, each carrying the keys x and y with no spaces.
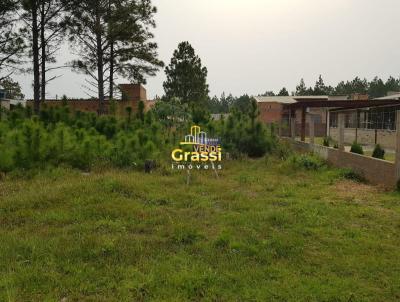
{"x":263,"y":231}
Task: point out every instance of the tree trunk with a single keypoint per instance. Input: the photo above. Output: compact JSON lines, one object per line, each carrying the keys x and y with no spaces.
{"x":111,"y":92}
{"x":111,"y":70}
{"x":100,"y":73}
{"x":43,"y":48}
{"x":35,"y":53}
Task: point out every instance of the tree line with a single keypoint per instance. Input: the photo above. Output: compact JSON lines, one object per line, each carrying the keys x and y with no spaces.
{"x":111,"y":38}
{"x":374,"y":88}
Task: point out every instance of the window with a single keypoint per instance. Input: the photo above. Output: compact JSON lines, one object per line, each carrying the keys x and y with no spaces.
{"x":333,"y":120}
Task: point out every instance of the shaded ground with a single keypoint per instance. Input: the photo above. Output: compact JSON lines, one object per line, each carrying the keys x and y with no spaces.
{"x":263,"y":231}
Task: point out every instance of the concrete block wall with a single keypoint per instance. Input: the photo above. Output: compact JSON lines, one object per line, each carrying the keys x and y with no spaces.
{"x":376,"y":171}
{"x":386,"y":138}
{"x":5,"y":104}
{"x":319,"y":130}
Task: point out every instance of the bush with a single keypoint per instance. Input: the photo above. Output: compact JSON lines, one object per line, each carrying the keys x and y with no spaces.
{"x":326,"y":141}
{"x":378,"y":152}
{"x":244,"y":134}
{"x":352,"y":175}
{"x":307,"y":161}
{"x":356,"y":148}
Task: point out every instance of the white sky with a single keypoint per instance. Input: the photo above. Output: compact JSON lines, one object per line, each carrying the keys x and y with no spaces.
{"x":250,"y":46}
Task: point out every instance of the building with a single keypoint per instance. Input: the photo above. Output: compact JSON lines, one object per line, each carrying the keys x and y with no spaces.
{"x":368,"y":125}
{"x":131,"y":95}
{"x":7,"y":103}
{"x":3,"y":102}
{"x":276,"y":109}
{"x":294,"y":114}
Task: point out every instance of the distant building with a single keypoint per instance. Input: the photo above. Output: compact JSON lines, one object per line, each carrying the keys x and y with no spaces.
{"x":131,"y":95}
{"x":8,"y":103}
{"x":3,"y":102}
{"x":370,"y":124}
{"x":274,"y":109}
{"x":2,"y":94}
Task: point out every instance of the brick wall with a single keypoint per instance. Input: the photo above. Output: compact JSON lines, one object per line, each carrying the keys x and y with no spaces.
{"x":90,"y":105}
{"x":376,"y":171}
{"x":270,"y":112}
{"x":132,"y":95}
{"x":133,"y":92}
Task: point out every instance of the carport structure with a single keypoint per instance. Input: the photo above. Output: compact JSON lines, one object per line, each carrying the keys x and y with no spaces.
{"x":302,"y":104}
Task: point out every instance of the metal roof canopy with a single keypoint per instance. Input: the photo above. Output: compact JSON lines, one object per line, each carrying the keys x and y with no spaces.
{"x":303,"y":104}
{"x":348,"y":104}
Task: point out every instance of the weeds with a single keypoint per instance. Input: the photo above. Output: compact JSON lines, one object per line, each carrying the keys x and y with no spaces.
{"x":307,"y":161}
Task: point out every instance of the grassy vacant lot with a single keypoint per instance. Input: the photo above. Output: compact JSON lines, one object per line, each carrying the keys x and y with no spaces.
{"x":261,"y":232}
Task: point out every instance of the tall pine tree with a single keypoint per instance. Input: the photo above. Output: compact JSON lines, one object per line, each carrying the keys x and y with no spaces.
{"x":132,"y":52}
{"x":186,"y":77}
{"x":113,"y":37}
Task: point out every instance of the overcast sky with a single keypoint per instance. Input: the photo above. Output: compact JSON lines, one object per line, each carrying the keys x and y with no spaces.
{"x":250,"y":46}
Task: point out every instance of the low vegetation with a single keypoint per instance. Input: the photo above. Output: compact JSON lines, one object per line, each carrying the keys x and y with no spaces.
{"x":378,"y":152}
{"x":356,"y":148}
{"x":263,"y":231}
{"x":84,"y":140}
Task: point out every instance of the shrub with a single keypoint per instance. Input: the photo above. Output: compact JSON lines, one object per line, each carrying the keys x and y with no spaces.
{"x":352,"y":175}
{"x":326,"y":141}
{"x":283,"y":150}
{"x":356,"y":148}
{"x":307,"y":161}
{"x":378,"y":152}
{"x":244,"y":134}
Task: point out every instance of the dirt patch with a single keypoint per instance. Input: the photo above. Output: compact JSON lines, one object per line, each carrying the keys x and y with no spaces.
{"x":354,"y":191}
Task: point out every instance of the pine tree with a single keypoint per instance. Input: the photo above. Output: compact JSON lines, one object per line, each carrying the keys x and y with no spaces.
{"x":113,"y":36}
{"x":283,"y":92}
{"x":43,"y":31}
{"x":12,"y":88}
{"x":131,"y":52}
{"x":359,"y":86}
{"x":88,"y":32}
{"x":377,"y":88}
{"x":186,"y":77}
{"x":392,"y":84}
{"x":320,"y":88}
{"x":301,"y":89}
{"x":32,"y":19}
{"x":268,"y":93}
{"x":11,"y":44}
